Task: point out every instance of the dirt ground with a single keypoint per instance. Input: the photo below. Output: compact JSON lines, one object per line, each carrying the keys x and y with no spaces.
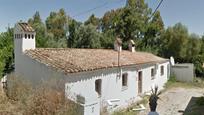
{"x":177,"y":101}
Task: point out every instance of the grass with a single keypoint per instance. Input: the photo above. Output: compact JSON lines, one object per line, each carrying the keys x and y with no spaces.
{"x":172,"y":83}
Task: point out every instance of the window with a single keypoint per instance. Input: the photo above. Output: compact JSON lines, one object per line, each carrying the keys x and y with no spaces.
{"x":32,"y":36}
{"x":152,"y":73}
{"x":125,"y":79}
{"x":28,"y":36}
{"x":162,"y":70}
{"x":98,"y":86}
{"x":25,"y":36}
{"x":21,"y":36}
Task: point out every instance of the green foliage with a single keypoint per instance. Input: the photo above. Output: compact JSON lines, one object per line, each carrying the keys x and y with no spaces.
{"x":88,"y":37}
{"x":174,"y":42}
{"x":6,"y":52}
{"x":200,"y":101}
{"x":172,"y":78}
{"x":56,"y":23}
{"x":73,"y":33}
{"x":131,"y":20}
{"x":198,"y":60}
{"x":93,"y":20}
{"x":40,"y":28}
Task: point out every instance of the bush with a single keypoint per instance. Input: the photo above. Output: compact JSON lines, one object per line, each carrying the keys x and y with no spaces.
{"x":17,"y":88}
{"x":200,"y":101}
{"x":172,"y":78}
{"x":46,"y":99}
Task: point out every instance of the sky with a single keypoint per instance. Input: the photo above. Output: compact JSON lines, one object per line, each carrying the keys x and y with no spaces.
{"x":188,"y":12}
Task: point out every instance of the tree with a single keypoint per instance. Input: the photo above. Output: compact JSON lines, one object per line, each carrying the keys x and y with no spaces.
{"x":6,"y":52}
{"x":40,"y":28}
{"x":56,"y":24}
{"x":131,"y":21}
{"x":88,"y":37}
{"x":193,"y":47}
{"x":151,"y":39}
{"x":202,"y":45}
{"x":174,"y":42}
{"x":93,"y":20}
{"x":108,"y":39}
{"x":73,"y":29}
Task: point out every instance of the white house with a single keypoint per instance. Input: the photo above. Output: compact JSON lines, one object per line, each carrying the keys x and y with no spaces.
{"x":95,"y":78}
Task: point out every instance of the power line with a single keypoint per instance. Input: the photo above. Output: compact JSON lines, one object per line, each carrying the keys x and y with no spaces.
{"x":156,"y":8}
{"x":100,"y":6}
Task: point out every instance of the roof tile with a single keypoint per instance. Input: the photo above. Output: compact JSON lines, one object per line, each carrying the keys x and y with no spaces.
{"x":78,"y":60}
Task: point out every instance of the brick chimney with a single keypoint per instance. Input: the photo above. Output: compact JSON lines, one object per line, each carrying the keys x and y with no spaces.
{"x":118,"y":44}
{"x":131,"y":46}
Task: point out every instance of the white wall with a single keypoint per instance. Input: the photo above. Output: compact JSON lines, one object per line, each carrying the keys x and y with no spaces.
{"x":112,"y":85}
{"x":183,"y":72}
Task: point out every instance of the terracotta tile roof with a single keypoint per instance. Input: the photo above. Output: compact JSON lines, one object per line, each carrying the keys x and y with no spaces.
{"x":26,"y":27}
{"x":78,"y":60}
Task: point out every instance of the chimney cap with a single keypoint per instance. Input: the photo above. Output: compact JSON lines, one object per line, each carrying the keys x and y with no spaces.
{"x":132,"y":42}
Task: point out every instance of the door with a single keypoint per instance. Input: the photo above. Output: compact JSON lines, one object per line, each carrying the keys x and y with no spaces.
{"x":140,"y":82}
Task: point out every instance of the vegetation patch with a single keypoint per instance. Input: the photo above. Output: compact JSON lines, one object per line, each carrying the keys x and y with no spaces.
{"x":21,"y":98}
{"x":172,"y":83}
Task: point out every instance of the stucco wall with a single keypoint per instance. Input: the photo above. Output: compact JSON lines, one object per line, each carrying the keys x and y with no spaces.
{"x":183,"y":72}
{"x":112,"y":86}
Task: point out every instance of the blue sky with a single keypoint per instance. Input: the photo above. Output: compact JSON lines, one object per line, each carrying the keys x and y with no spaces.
{"x":189,"y":12}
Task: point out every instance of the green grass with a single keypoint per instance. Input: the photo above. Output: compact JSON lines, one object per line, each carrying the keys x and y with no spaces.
{"x":172,"y":83}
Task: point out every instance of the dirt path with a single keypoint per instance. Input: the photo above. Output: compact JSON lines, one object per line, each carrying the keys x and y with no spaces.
{"x":175,"y":101}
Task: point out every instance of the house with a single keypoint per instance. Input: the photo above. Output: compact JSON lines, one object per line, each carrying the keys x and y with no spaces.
{"x":94,"y":78}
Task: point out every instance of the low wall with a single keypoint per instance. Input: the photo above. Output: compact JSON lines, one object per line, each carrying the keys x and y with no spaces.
{"x":183,"y":72}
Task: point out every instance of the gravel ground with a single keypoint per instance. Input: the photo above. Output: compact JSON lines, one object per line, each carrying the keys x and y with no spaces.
{"x":175,"y":101}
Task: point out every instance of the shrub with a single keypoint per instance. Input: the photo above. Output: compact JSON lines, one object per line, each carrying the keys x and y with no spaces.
{"x":45,"y":99}
{"x":200,"y":101}
{"x":17,"y":88}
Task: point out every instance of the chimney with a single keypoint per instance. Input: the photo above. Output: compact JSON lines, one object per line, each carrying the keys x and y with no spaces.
{"x":118,"y":44}
{"x":131,"y":46}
